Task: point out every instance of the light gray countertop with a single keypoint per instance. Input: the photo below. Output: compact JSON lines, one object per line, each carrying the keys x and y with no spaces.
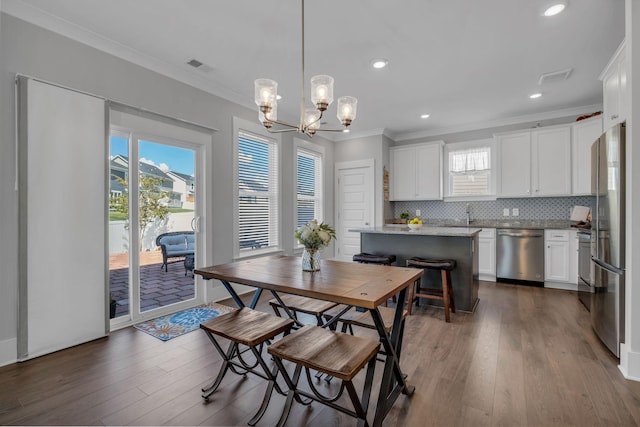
{"x":425,"y":230}
{"x":550,"y":224}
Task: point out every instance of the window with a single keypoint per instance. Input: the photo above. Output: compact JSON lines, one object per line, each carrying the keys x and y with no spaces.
{"x":469,"y":170}
{"x":308,"y":185}
{"x":258,"y":196}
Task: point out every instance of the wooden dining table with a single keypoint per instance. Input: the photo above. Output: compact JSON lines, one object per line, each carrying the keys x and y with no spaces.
{"x":364,"y":286}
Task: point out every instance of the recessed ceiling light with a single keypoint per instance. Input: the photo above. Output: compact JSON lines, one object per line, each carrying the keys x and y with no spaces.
{"x":424,"y":116}
{"x":555,"y":8}
{"x":278,"y":97}
{"x":535,"y":95}
{"x":379,"y":63}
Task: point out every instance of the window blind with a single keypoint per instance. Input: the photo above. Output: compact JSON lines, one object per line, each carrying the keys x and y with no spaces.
{"x":309,"y":187}
{"x":258,"y":197}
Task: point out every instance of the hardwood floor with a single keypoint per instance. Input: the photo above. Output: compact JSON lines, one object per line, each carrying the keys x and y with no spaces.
{"x":526,"y":357}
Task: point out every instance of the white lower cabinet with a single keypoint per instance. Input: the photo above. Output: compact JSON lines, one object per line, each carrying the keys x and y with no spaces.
{"x":487,"y":254}
{"x":560,"y":265}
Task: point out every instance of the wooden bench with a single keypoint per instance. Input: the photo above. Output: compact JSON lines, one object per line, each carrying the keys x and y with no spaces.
{"x":333,"y":353}
{"x":252,"y":329}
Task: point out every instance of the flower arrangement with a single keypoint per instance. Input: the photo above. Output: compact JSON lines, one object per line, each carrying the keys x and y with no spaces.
{"x":314,"y":235}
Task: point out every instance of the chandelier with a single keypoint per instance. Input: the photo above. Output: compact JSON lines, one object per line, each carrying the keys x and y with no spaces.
{"x":266,"y":92}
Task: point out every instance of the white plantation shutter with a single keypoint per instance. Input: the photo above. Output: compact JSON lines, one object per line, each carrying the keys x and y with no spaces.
{"x":309,"y":187}
{"x":258,"y":215}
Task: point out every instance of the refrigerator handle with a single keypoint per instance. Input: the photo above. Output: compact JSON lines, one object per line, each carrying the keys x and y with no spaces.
{"x":608,"y":267}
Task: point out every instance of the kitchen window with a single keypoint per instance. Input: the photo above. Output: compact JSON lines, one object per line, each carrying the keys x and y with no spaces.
{"x":258,"y":196}
{"x":308,"y":181}
{"x":469,"y":170}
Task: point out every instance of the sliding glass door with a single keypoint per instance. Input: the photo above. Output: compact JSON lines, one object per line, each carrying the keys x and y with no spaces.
{"x":154,"y":211}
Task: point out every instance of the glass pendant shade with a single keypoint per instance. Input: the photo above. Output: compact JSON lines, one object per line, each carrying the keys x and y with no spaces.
{"x":266,"y":91}
{"x":347,"y":106}
{"x":312,"y":119}
{"x":322,"y":91}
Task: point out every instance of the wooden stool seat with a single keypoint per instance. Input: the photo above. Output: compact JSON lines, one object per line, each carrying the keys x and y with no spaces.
{"x":374,"y":259}
{"x":247,"y":326}
{"x":333,"y":353}
{"x":252,"y":329}
{"x":299,"y":304}
{"x":445,"y":294}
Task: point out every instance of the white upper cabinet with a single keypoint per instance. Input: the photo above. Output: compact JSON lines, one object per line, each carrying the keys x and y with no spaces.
{"x":551,"y":161}
{"x":614,"y":88}
{"x":515,"y":164}
{"x":416,"y":172}
{"x":535,"y":162}
{"x":583,"y":135}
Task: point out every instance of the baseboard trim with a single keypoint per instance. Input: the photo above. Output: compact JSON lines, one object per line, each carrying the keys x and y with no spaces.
{"x":558,"y":285}
{"x":629,"y":363}
{"x":8,"y":351}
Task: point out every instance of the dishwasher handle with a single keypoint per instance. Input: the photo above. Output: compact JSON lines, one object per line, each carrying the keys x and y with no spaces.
{"x":521,"y":235}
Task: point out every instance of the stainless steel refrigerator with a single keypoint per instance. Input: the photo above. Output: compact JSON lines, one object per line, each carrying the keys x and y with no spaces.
{"x":607,"y":237}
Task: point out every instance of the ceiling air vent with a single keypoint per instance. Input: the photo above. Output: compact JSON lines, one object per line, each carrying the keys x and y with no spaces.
{"x":199,"y":65}
{"x":555,"y":76}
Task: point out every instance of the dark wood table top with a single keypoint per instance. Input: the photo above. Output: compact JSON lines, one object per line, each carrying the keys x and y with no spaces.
{"x":361,"y":285}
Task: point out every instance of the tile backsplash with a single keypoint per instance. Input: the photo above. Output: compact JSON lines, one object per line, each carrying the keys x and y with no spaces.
{"x":536,"y":208}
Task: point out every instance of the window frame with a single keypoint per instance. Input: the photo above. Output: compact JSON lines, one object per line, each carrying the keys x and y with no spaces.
{"x":468,"y":145}
{"x":310,"y":149}
{"x":241,"y":126}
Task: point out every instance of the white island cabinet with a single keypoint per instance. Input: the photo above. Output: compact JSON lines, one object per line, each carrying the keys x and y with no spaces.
{"x":416,"y":172}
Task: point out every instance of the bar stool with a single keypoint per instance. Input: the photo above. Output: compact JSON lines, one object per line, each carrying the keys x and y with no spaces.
{"x":366,"y":258}
{"x":333,"y":353}
{"x":252,"y":329}
{"x":445,"y":295}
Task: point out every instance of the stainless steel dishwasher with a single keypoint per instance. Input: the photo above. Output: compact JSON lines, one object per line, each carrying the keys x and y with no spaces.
{"x":520,"y":255}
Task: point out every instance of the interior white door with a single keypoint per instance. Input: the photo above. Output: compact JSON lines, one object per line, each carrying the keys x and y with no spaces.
{"x":62,"y":245}
{"x":354,"y":207}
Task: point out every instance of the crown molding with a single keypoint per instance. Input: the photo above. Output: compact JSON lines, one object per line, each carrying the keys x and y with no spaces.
{"x":38,"y":17}
{"x":548,"y":115}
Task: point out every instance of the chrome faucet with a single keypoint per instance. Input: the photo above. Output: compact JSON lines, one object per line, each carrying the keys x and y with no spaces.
{"x":468,"y":212}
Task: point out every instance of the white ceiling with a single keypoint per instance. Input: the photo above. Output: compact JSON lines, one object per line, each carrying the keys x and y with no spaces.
{"x":470,"y":64}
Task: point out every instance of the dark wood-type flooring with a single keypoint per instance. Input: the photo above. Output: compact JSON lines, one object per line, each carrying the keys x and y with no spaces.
{"x":526,"y":357}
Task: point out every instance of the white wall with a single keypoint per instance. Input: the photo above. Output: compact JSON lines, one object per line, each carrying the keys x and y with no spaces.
{"x":630,"y":351}
{"x":35,"y":52}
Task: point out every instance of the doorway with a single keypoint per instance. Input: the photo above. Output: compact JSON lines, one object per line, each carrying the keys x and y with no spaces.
{"x":154,"y":196}
{"x":354,"y":204}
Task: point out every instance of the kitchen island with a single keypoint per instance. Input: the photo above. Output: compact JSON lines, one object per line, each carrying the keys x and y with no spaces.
{"x":457,"y":243}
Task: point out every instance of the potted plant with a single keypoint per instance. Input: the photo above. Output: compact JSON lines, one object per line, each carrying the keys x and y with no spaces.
{"x":404,"y":216}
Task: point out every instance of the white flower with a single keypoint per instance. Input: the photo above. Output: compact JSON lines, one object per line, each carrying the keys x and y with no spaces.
{"x":315,"y":235}
{"x":324,"y":236}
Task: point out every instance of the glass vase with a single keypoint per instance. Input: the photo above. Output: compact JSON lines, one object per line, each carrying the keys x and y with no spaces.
{"x":310,"y":259}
